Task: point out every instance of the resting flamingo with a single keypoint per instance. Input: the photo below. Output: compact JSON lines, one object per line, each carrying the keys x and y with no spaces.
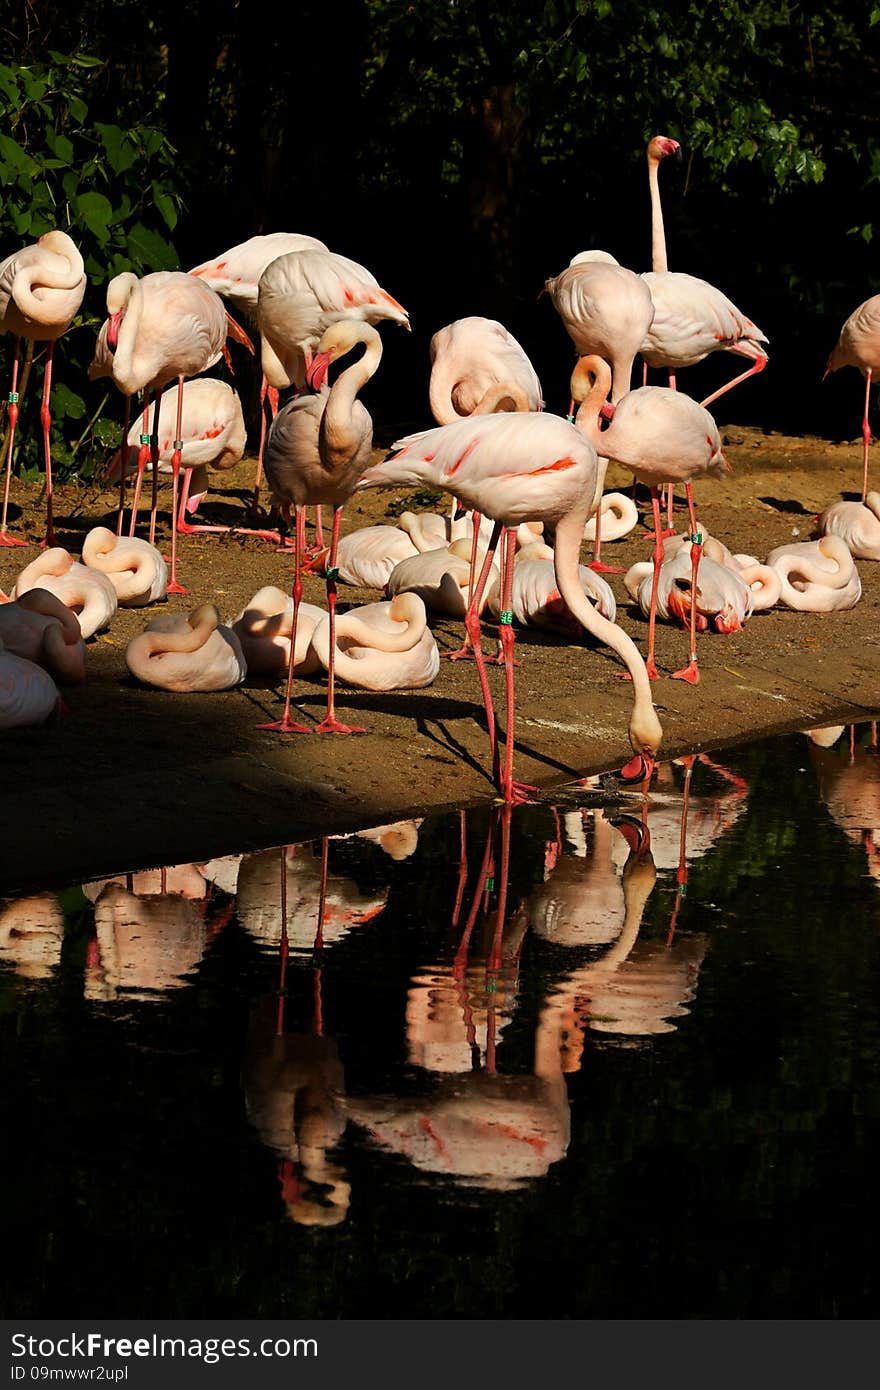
{"x":28,"y":694}
{"x":235,"y":274}
{"x":607,"y":310}
{"x":163,"y":326}
{"x":382,"y":646}
{"x":88,"y":592}
{"x":176,"y":652}
{"x":516,"y":467}
{"x":318,"y":447}
{"x":857,"y":523}
{"x":42,"y":629}
{"x":41,"y":289}
{"x":859,"y":346}
{"x":661,"y":435}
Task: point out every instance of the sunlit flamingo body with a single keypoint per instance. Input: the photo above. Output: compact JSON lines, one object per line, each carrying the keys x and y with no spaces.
{"x":86,"y":591}
{"x":134,"y":567}
{"x":163,"y":326}
{"x":859,"y":346}
{"x":264,"y":628}
{"x":42,"y":629}
{"x":512,"y":468}
{"x":318,"y":447}
{"x":535,"y":600}
{"x":472,"y":357}
{"x":857,"y":523}
{"x":817,"y":576}
{"x":41,"y":289}
{"x":382,"y":646}
{"x":182,"y":653}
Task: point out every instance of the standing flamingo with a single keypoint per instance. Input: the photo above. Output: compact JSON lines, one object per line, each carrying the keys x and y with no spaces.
{"x":163,"y":326}
{"x":661,"y":435}
{"x":235,"y":274}
{"x":471,"y":357}
{"x":41,"y":289}
{"x":513,"y":468}
{"x":859,"y":346}
{"x":606,"y":310}
{"x":317,"y":449}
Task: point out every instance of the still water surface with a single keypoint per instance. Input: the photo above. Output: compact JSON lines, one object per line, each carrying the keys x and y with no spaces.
{"x":536,"y":1065}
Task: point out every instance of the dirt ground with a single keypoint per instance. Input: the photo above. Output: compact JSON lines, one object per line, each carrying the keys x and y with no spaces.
{"x":134,"y":777}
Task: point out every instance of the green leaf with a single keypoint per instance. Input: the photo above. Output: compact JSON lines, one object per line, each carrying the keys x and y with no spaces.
{"x":165,"y":205}
{"x":14,"y":158}
{"x":67,"y":403}
{"x":78,"y":109}
{"x":151,"y":249}
{"x":60,"y":146}
{"x":96,"y":212}
{"x":119,"y":148}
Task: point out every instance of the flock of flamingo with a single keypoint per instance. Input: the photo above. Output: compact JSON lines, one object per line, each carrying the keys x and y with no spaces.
{"x":527,"y":485}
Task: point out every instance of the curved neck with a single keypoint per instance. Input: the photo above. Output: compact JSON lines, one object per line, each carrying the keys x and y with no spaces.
{"x":57,"y":270}
{"x":658,"y":235}
{"x":501,"y":396}
{"x":132,"y":310}
{"x":336,"y":426}
{"x":199,"y":626}
{"x":596,"y":371}
{"x":440,"y":387}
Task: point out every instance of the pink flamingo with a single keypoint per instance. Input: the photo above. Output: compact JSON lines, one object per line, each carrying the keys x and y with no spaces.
{"x":42,"y":629}
{"x":235,"y":274}
{"x":470,"y":359}
{"x":28,"y":694}
{"x":41,"y":289}
{"x":859,"y":346}
{"x":661,"y":435}
{"x":176,"y":652}
{"x":163,"y":326}
{"x":318,"y":447}
{"x":857,"y":523}
{"x":382,"y":646}
{"x":606,"y":310}
{"x":515,"y":467}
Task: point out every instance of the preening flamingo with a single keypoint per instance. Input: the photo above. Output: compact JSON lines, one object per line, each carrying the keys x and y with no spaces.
{"x":856,"y":523}
{"x":41,"y":289}
{"x":181,"y":653}
{"x":441,"y":578}
{"x":691,"y":317}
{"x":235,"y":274}
{"x":318,"y":447}
{"x":514,"y":468}
{"x":382,"y":646}
{"x":661,"y":435}
{"x":134,"y":567}
{"x":859,"y":346}
{"x":28,"y":694}
{"x":607,"y":311}
{"x":42,"y":629}
{"x":163,"y":326}
{"x":470,"y":359}
{"x":87,"y":592}
{"x":619,"y":515}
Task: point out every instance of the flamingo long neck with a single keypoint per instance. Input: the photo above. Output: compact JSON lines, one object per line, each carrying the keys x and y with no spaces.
{"x":501,"y":396}
{"x":59,"y":270}
{"x":123,"y":357}
{"x":444,"y":378}
{"x":658,"y":234}
{"x":337,"y":427}
{"x":644,"y":726}
{"x":409,"y":624}
{"x":199,"y":626}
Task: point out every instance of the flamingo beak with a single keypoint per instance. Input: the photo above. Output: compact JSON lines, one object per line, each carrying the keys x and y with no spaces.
{"x":636,"y":834}
{"x":114,"y":323}
{"x":318,"y":371}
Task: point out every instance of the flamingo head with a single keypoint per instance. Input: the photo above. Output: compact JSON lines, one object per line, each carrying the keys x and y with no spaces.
{"x":114,"y":323}
{"x":635,"y":832}
{"x":661,"y":146}
{"x":606,"y":411}
{"x":639,"y":768}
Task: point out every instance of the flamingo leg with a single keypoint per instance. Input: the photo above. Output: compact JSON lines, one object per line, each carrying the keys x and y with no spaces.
{"x":681,"y":876}
{"x":285,"y":948}
{"x":126,"y":416}
{"x":173,"y":586}
{"x":597,"y":564}
{"x":330,"y":724}
{"x":5,"y":538}
{"x":264,"y":387}
{"x":472,"y":627}
{"x":690,"y":673}
{"x":464,"y":651}
{"x":757,"y":366}
{"x":462,"y":868}
{"x":143,"y":455}
{"x":46,"y":421}
{"x":285,"y":725}
{"x":655,"y":583}
{"x":513,"y":792}
{"x":154,"y":464}
{"x":866,"y":438}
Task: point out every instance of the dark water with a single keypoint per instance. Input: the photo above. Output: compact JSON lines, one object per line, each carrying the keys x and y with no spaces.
{"x":608,"y":1083}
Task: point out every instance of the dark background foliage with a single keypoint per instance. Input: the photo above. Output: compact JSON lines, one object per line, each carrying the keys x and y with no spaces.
{"x":464,"y":152}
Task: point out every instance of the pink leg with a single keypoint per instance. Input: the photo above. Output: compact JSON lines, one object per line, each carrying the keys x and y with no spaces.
{"x":154,"y":464}
{"x":464,"y":651}
{"x":472,"y":627}
{"x":319,"y":528}
{"x":866,"y":437}
{"x":690,"y":673}
{"x":757,"y":366}
{"x":173,"y":586}
{"x":493,"y":964}
{"x":462,"y":867}
{"x":681,"y":876}
{"x":514,"y":792}
{"x":126,"y":416}
{"x":658,"y":561}
{"x":46,"y":421}
{"x":285,"y":725}
{"x":5,"y":538}
{"x":143,"y":455}
{"x":330,"y":724}
{"x":597,"y":564}
{"x":264,"y":387}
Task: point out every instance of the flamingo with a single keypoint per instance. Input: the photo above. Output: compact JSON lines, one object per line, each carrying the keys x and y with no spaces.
{"x":28,"y":694}
{"x":443,"y":579}
{"x":235,"y":274}
{"x":367,"y":557}
{"x":817,"y":576}
{"x":89,"y":593}
{"x":859,"y":346}
{"x":606,"y":310}
{"x":513,"y":467}
{"x":857,"y":523}
{"x":143,"y":944}
{"x":318,"y":447}
{"x":42,"y":629}
{"x":41,"y":289}
{"x":723,"y":599}
{"x":619,"y":514}
{"x":264,"y":629}
{"x":31,"y":935}
{"x":165,"y":325}
{"x":382,"y":646}
{"x":535,"y":600}
{"x":212,"y":433}
{"x":181,"y":653}
{"x":661,"y":435}
{"x":470,"y":359}
{"x":691,"y":317}
{"x":134,"y":567}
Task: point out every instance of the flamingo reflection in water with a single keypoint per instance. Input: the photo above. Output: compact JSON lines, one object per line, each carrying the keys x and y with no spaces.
{"x":151,"y":932}
{"x":848,"y":773}
{"x":31,"y":935}
{"x":297,"y":877}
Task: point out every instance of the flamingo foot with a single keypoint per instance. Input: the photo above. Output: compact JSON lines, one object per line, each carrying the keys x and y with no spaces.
{"x":331,"y":725}
{"x":651,"y":668}
{"x":498,"y":660}
{"x":49,"y":540}
{"x":6,"y":539}
{"x":463,"y":654}
{"x":688,"y":673}
{"x":600,"y":567}
{"x":175,"y":588}
{"x":517,"y":793}
{"x":664,"y":534}
{"x":286,"y":726}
